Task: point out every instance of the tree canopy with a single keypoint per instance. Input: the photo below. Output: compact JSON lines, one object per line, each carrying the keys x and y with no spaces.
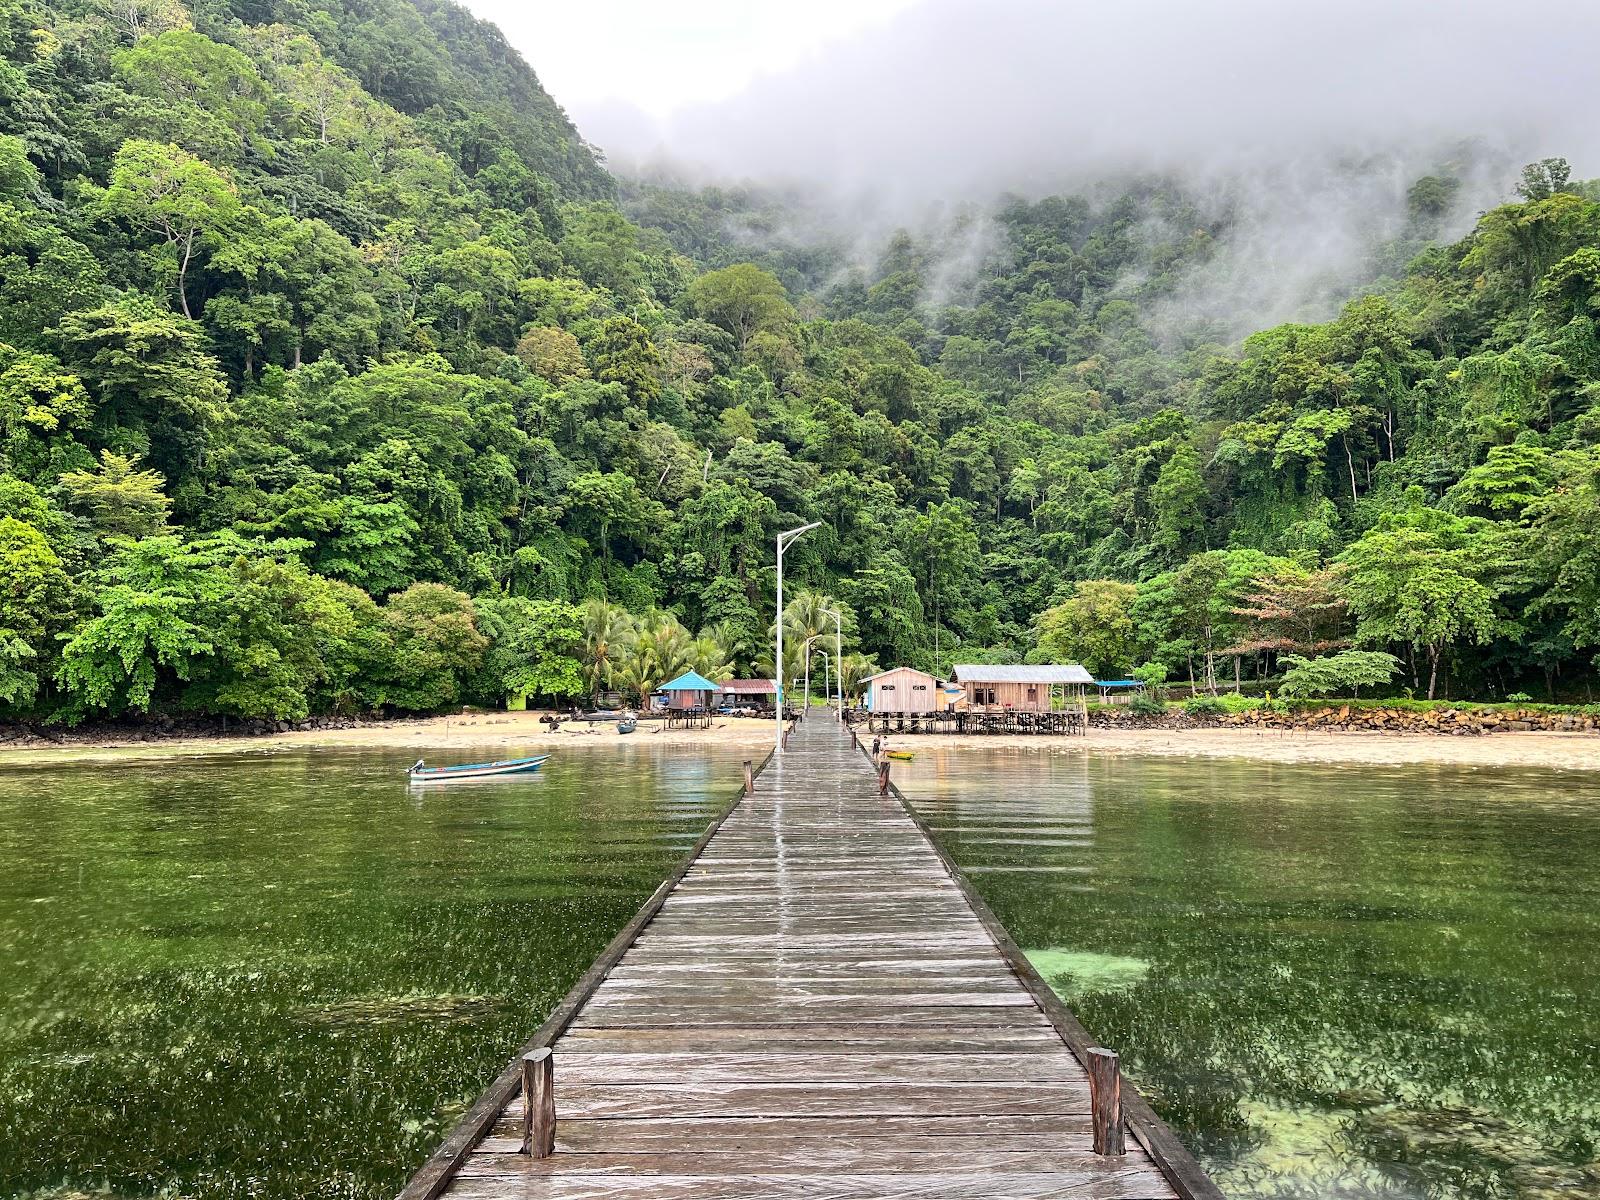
{"x":337,"y":374}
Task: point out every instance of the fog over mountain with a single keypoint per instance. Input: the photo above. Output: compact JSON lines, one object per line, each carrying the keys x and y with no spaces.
{"x":965,"y":99}
{"x":1305,"y":123}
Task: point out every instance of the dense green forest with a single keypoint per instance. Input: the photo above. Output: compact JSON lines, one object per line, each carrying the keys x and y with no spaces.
{"x":337,"y":375}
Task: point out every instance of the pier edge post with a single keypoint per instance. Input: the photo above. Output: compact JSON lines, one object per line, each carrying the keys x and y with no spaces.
{"x":538,"y":1103}
{"x":1105,"y":1100}
{"x":749,"y":778}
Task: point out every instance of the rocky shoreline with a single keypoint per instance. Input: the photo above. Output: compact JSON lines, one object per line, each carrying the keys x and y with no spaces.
{"x":1460,"y":722}
{"x":164,"y":729}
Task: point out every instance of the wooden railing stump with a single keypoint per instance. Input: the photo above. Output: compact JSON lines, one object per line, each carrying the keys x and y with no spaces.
{"x":1105,"y":1100}
{"x":749,"y":778}
{"x":538,"y":1103}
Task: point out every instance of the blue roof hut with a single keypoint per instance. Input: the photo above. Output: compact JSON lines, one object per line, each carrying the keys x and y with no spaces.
{"x":689,"y":690}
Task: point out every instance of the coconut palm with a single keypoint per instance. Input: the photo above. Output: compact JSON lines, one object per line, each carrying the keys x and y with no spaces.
{"x":670,"y":643}
{"x":810,"y":616}
{"x":711,"y":657}
{"x":807,"y":614}
{"x":636,"y":673}
{"x":734,"y":640}
{"x":608,"y":632}
{"x":856,"y":668}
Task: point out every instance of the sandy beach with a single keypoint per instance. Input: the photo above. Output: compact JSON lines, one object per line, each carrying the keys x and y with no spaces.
{"x":495,"y":734}
{"x":1565,"y":751}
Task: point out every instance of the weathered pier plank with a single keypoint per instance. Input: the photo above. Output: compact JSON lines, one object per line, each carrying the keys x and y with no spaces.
{"x":815,"y":1005}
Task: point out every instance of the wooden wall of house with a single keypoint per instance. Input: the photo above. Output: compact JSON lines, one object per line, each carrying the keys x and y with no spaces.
{"x":905,"y":690}
{"x":1024,"y":697}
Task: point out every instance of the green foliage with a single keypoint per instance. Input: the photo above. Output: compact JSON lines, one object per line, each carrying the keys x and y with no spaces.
{"x":34,"y":598}
{"x":1154,"y":677}
{"x":744,"y":300}
{"x":534,"y":647}
{"x":1094,"y":627}
{"x":117,"y":497}
{"x":1425,"y":579}
{"x":1348,"y":669}
{"x":328,"y":320}
{"x":437,"y":647}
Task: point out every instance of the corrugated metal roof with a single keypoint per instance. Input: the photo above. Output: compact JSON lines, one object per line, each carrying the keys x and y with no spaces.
{"x":1042,"y":673}
{"x":689,"y":681}
{"x":892,"y":670}
{"x":752,"y":687}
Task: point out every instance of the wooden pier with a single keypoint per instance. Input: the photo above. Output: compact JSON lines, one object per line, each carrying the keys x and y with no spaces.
{"x":815,"y":1005}
{"x":1061,"y":722}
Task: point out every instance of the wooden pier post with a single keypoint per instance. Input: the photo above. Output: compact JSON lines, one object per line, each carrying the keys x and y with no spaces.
{"x":538,"y":1103}
{"x":749,"y":778}
{"x":1105,"y":1100}
{"x":883,"y":777}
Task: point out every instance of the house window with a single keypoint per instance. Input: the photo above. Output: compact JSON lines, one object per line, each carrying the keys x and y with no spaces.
{"x":1033,"y":693}
{"x":886,"y":687}
{"x":919,"y":687}
{"x":983,"y":695}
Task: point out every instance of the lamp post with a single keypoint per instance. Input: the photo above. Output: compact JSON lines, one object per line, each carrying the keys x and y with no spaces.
{"x":838,"y":654}
{"x":805,"y":706}
{"x":784,"y":540}
{"x":827,"y":662}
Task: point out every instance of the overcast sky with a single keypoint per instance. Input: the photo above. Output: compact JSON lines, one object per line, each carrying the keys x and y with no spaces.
{"x":1306,"y":120}
{"x":969,"y":95}
{"x":659,"y":58}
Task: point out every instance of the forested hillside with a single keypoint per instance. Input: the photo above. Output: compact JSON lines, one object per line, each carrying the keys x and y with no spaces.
{"x":333,"y":378}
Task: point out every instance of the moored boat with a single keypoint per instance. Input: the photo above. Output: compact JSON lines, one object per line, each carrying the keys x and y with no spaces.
{"x":507,"y":766}
{"x":900,"y":755}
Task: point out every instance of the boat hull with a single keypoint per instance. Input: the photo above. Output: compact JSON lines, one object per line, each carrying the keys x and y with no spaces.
{"x":510,"y":766}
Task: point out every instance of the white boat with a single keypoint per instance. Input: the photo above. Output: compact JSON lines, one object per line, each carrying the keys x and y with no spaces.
{"x":507,"y":766}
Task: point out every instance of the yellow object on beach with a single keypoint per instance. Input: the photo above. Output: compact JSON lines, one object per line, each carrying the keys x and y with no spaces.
{"x":902,"y":755}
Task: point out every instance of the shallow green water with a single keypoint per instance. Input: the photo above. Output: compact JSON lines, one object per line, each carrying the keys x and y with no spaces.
{"x":1334,"y":982}
{"x":284,"y":975}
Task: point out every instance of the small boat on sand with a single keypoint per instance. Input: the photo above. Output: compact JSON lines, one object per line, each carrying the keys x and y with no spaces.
{"x":900,"y":755}
{"x":507,"y":766}
{"x":627,"y":725}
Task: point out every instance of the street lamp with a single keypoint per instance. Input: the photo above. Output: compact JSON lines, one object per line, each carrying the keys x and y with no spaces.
{"x":827,"y":662}
{"x":784,"y":540}
{"x":805,"y":707}
{"x":838,"y":653}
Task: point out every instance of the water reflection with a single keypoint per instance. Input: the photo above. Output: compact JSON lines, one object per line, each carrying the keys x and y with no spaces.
{"x":284,"y":975}
{"x":1336,"y":982}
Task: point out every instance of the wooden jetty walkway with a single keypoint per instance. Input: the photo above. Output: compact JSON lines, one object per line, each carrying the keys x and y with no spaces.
{"x":979,"y":721}
{"x":815,"y":1005}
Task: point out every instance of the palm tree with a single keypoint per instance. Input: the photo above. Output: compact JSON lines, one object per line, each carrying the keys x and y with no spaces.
{"x":734,"y":640}
{"x":810,"y":615}
{"x":711,"y":657}
{"x":669,"y":641}
{"x":856,"y":667}
{"x":608,"y":632}
{"x":807,"y":614}
{"x":637,"y":673}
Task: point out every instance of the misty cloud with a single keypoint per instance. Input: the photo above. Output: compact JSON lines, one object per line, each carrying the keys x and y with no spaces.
{"x":1303,"y":122}
{"x":956,"y":99}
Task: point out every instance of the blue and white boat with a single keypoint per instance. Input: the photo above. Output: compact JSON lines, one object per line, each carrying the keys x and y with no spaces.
{"x":418,"y":773}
